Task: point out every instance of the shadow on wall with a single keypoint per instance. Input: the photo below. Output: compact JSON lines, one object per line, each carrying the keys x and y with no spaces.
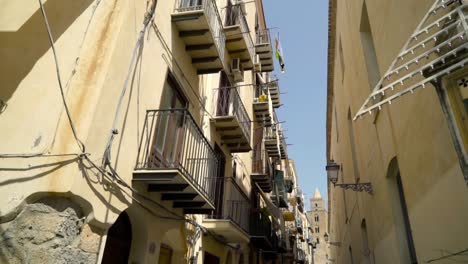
{"x":21,"y":50}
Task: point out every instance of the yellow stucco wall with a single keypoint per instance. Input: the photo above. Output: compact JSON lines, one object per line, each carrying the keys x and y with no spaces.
{"x":412,"y":128}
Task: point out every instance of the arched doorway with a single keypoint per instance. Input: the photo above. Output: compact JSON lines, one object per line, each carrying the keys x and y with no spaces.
{"x":119,"y":241}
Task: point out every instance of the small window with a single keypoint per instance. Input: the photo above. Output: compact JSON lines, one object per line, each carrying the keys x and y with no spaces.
{"x":165,"y":254}
{"x":368,"y":49}
{"x":336,"y":125}
{"x":318,"y":240}
{"x":316,"y":218}
{"x":316,"y":205}
{"x":352,"y":141}
{"x":351,"y":258}
{"x":342,"y":62}
{"x":317,"y":230}
{"x":211,"y":259}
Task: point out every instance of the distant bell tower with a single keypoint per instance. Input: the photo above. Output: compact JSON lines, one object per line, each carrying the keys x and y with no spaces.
{"x":318,"y":219}
{"x":317,"y":203}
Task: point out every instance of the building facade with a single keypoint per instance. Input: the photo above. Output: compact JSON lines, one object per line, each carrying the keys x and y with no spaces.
{"x":141,"y":132}
{"x":396,"y":138}
{"x":318,"y":219}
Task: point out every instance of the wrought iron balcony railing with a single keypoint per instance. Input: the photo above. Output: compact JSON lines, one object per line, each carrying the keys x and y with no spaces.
{"x":300,"y":255}
{"x":260,"y":161}
{"x":231,"y":203}
{"x":260,"y":226}
{"x":215,"y":24}
{"x":229,"y":103}
{"x":171,"y":140}
{"x":261,"y":167}
{"x":299,"y":224}
{"x":235,"y":16}
{"x":263,"y":37}
{"x":270,"y":133}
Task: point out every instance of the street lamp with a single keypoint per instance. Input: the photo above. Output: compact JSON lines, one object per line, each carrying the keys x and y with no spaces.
{"x":337,"y":244}
{"x":333,"y":170}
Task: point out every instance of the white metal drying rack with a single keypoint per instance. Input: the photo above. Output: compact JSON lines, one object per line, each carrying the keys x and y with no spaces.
{"x":455,"y":19}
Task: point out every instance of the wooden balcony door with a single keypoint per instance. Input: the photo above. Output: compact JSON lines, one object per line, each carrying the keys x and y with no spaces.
{"x":230,"y":14}
{"x":224,"y":94}
{"x":168,"y":136}
{"x":219,"y":185}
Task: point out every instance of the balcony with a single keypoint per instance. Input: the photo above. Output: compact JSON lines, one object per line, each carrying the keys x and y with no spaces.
{"x":288,"y":214}
{"x":289,"y":184}
{"x":239,"y":43}
{"x":231,"y":217}
{"x":262,"y":105}
{"x":231,"y":120}
{"x":270,"y":136}
{"x":279,"y":195}
{"x":281,"y":244}
{"x":200,"y":27}
{"x":261,"y":233}
{"x":264,"y":50}
{"x":299,"y":225}
{"x":300,"y":256}
{"x":291,"y":226}
{"x":282,"y":143}
{"x":310,"y":238}
{"x":261,"y":168}
{"x":273,"y":88}
{"x":176,"y":160}
{"x":300,"y":200}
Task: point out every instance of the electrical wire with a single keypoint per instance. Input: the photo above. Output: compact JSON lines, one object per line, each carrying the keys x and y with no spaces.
{"x":38,"y":155}
{"x":114,"y":176}
{"x":462,"y":252}
{"x":59,"y":79}
{"x":73,"y":71}
{"x":136,"y":50}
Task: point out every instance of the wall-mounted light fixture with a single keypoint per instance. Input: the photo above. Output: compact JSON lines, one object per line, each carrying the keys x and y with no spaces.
{"x":333,"y":170}
{"x":336,"y":244}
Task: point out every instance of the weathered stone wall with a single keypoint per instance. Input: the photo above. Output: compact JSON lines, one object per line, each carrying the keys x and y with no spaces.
{"x":51,"y":230}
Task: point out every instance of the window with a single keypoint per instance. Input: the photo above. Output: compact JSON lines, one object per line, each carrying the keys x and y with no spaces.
{"x":365,"y":241}
{"x":231,"y":15}
{"x":316,"y":218}
{"x":224,"y":101}
{"x":316,"y":205}
{"x":353,"y":145}
{"x":318,"y":240}
{"x":400,"y":212}
{"x":367,"y":42}
{"x":165,"y":254}
{"x":345,"y":205}
{"x":351,"y":258}
{"x":342,"y":61}
{"x":336,"y":125}
{"x":317,"y":230}
{"x":211,"y":259}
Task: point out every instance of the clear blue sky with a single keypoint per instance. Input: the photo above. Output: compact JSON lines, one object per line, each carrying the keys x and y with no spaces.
{"x":303,"y":29}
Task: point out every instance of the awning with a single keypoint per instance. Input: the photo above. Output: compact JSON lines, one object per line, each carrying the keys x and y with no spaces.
{"x":437,"y":47}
